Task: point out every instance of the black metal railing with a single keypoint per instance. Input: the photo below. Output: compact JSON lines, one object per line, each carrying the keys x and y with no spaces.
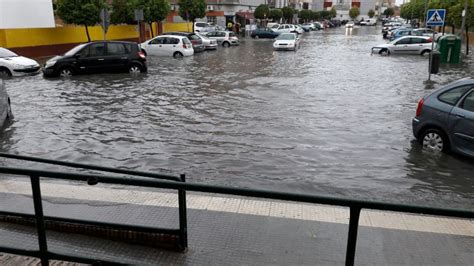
{"x":355,"y":206}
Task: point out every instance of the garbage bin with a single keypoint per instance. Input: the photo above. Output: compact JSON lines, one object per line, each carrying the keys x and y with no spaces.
{"x":450,"y":48}
{"x":434,"y":62}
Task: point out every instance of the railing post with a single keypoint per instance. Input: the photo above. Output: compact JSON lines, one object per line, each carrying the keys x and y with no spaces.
{"x":183,"y":226}
{"x":43,"y":246}
{"x":352,"y":236}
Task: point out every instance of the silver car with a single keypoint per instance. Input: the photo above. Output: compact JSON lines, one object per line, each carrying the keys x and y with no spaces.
{"x":5,"y":108}
{"x":208,"y":43}
{"x":420,"y":45}
{"x":227,"y":38}
{"x":445,"y":119}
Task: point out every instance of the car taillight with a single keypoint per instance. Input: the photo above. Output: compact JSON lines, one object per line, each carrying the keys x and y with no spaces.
{"x":420,"y":106}
{"x":185,"y":46}
{"x":141,"y":54}
{"x":429,"y":40}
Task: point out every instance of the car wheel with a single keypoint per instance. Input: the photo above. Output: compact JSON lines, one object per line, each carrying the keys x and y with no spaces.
{"x":144,"y":52}
{"x":256,"y":37}
{"x":177,"y":55}
{"x":435,"y":140}
{"x":135,"y":69}
{"x":226,"y":44}
{"x":384,"y":52}
{"x":5,"y":73}
{"x":425,"y":52}
{"x":65,"y":72}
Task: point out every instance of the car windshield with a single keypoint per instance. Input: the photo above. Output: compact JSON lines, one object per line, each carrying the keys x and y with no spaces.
{"x":286,"y":37}
{"x":6,"y":53}
{"x":75,"y":50}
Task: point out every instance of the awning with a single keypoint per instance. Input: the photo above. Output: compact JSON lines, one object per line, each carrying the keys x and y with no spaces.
{"x":245,"y":14}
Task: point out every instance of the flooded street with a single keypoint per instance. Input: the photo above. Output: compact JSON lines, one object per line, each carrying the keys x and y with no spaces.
{"x":329,"y":119}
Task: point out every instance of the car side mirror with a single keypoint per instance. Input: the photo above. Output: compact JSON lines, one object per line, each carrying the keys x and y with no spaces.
{"x":77,"y":56}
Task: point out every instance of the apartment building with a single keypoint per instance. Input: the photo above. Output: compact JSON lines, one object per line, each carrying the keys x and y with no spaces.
{"x":343,"y":6}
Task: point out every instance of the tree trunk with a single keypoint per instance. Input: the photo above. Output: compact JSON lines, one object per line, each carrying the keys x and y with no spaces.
{"x":452,"y":29}
{"x":87,"y":32}
{"x":159,"y":28}
{"x":467,"y":40}
{"x":444,"y":26}
{"x":192,"y":20}
{"x":151,"y":29}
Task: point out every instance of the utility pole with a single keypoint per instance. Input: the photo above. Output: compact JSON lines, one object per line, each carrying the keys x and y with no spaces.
{"x":463,"y":24}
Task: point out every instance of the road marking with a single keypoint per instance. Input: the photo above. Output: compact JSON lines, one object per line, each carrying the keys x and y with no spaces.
{"x":278,"y":209}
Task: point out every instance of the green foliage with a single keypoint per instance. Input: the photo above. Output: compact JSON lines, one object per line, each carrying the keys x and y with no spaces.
{"x":84,"y":12}
{"x":371,"y":13}
{"x":262,"y":12}
{"x":325,"y":14}
{"x":276,"y":14}
{"x":288,"y":13}
{"x":389,"y":12}
{"x":354,"y":12}
{"x":305,"y":14}
{"x":316,"y":15}
{"x":192,"y":9}
{"x":333,"y":12}
{"x":122,"y":12}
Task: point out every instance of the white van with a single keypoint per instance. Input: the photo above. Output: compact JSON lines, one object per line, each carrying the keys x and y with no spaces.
{"x":369,"y":22}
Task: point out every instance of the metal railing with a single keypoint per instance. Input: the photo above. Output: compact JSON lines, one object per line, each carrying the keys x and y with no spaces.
{"x":355,"y":206}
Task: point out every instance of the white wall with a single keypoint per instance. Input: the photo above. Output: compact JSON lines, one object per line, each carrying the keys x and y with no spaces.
{"x":26,"y":14}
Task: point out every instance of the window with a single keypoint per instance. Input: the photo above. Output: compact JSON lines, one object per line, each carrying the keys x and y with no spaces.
{"x":212,"y":20}
{"x":417,"y":40}
{"x":403,"y":41}
{"x":156,"y":41}
{"x":231,"y":34}
{"x":173,"y":40}
{"x":468,"y":102}
{"x":201,"y":24}
{"x":115,"y":49}
{"x":452,"y":96}
{"x":211,"y":34}
{"x":221,"y":34}
{"x":96,"y":49}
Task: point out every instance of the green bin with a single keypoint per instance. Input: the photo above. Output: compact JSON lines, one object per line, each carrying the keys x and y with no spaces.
{"x":449,"y":47}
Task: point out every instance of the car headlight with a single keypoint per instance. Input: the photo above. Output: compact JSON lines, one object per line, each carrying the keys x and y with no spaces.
{"x":50,"y":63}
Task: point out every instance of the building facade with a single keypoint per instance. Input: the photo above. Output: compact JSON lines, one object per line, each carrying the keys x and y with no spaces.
{"x":343,"y":6}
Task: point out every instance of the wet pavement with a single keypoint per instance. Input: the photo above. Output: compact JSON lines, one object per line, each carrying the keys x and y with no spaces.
{"x":329,"y":119}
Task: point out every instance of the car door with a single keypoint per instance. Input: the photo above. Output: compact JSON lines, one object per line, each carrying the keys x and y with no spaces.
{"x":117,"y":57}
{"x":92,"y":58}
{"x":172,"y":45}
{"x":461,"y":122}
{"x":401,"y":46}
{"x":154,"y":47}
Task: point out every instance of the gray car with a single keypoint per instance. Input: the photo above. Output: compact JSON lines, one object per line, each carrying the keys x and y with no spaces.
{"x":445,"y":119}
{"x":5,"y":108}
{"x":227,"y":38}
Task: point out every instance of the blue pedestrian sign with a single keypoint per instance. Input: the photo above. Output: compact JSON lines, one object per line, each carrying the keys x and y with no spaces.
{"x":435,"y":17}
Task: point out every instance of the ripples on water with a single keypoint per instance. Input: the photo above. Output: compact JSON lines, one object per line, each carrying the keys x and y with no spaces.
{"x":328,"y":119}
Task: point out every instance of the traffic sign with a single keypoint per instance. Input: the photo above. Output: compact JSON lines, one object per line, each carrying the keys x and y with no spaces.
{"x":435,"y":17}
{"x":105,"y":18}
{"x":138,"y":14}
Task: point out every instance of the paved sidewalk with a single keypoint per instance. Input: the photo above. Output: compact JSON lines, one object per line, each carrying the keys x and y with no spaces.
{"x":238,"y":231}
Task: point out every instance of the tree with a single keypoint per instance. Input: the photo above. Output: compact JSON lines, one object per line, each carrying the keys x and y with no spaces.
{"x":122,"y":12}
{"x":84,"y":12}
{"x":305,"y":14}
{"x":371,"y":13}
{"x":192,"y":9}
{"x":354,"y":12}
{"x":288,"y":13}
{"x":316,"y":15}
{"x":276,"y":14}
{"x":333,"y":12}
{"x":325,"y":14}
{"x":156,"y":10}
{"x":262,"y":12}
{"x":389,"y":12}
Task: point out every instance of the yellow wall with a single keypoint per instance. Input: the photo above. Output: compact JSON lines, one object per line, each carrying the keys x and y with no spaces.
{"x":16,"y":38}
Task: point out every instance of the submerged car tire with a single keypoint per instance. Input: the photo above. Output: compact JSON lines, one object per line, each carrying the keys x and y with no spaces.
{"x":4,"y":72}
{"x":226,"y":44}
{"x":135,"y":69}
{"x":435,"y":140}
{"x":177,"y":55}
{"x":9,"y":111}
{"x":66,"y":72}
{"x":384,"y":51}
{"x":425,"y":52}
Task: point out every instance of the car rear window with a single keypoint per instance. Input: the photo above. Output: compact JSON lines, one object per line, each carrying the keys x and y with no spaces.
{"x":231,"y":34}
{"x":452,"y":96}
{"x":468,"y":103}
{"x":193,"y":37}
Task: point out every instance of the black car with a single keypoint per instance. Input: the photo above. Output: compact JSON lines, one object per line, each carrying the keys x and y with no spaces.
{"x":97,"y":57}
{"x":264,"y":33}
{"x":198,"y":46}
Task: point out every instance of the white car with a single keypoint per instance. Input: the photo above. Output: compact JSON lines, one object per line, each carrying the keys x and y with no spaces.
{"x":350,"y":24}
{"x":209,"y":44}
{"x":168,"y":45}
{"x":5,"y":108}
{"x":203,"y":27}
{"x":12,"y":64}
{"x":287,"y":41}
{"x":406,"y":45}
{"x":287,"y":28}
{"x":227,"y":38}
{"x":369,"y":22}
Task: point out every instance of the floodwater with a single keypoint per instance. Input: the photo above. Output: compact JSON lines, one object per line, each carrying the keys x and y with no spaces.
{"x":329,"y":119}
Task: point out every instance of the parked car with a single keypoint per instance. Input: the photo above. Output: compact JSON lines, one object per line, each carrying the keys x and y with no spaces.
{"x":287,"y":41}
{"x":264,"y":33}
{"x":299,"y":29}
{"x":369,"y":22}
{"x":12,"y":64}
{"x":286,"y":28}
{"x":318,"y":25}
{"x":198,"y":46}
{"x":208,"y":43}
{"x":350,"y":24}
{"x":168,"y":45}
{"x":203,"y":27}
{"x":444,"y":119}
{"x":403,"y":32}
{"x":226,"y":38}
{"x":305,"y":28}
{"x":424,"y":32}
{"x":406,"y":45}
{"x":5,"y":107}
{"x":97,"y":57}
{"x":309,"y":26}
